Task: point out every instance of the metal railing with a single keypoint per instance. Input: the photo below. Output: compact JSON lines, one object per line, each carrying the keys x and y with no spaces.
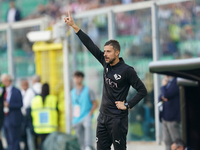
{"x":9,"y":27}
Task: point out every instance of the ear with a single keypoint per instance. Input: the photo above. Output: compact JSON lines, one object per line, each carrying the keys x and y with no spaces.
{"x":117,"y":52}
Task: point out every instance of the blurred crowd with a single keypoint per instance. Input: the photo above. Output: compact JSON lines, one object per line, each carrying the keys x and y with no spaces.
{"x":56,"y":9}
{"x":177,"y":23}
{"x":181,"y":20}
{"x":29,"y":114}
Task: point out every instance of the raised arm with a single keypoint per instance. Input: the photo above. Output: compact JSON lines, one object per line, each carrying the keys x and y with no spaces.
{"x":85,"y":39}
{"x":69,"y":20}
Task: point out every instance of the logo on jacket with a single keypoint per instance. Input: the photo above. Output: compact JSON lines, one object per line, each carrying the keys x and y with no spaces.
{"x":117,"y":76}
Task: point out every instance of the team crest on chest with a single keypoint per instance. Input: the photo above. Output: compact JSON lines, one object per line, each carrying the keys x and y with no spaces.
{"x":117,"y":76}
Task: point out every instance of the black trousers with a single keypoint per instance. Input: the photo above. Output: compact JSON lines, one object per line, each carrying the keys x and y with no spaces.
{"x":111,"y":131}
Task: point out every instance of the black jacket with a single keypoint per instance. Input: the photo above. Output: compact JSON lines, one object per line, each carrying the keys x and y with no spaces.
{"x":2,"y":105}
{"x":117,"y":81}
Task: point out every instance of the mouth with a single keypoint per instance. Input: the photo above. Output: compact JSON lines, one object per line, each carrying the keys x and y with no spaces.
{"x":106,"y":58}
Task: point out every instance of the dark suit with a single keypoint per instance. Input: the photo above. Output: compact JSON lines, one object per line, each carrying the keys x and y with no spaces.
{"x":171,"y":108}
{"x":170,"y":115}
{"x":12,"y":122}
{"x":17,"y":15}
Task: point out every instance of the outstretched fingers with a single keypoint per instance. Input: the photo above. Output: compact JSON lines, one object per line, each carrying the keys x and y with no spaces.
{"x":69,"y":14}
{"x":66,"y":19}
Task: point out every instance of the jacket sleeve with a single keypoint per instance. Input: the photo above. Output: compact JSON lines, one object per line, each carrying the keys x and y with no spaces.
{"x":170,"y":92}
{"x":160,"y":97}
{"x":137,"y":84}
{"x":96,"y":52}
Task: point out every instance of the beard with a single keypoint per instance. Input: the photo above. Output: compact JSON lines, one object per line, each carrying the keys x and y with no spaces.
{"x":111,"y":61}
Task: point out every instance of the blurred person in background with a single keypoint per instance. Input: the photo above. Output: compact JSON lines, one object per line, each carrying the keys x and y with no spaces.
{"x":13,"y":115}
{"x":30,"y":94}
{"x":2,"y":93}
{"x":52,"y":9}
{"x":170,"y":110}
{"x":148,"y":120}
{"x":179,"y":144}
{"x":84,"y":104}
{"x":112,"y":125}
{"x":41,"y":11}
{"x":24,"y":88}
{"x":13,"y":13}
{"x":44,"y":111}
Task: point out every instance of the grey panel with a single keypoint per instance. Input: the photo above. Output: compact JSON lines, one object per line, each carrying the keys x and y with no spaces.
{"x":185,"y":82}
{"x":184,"y":68}
{"x":170,"y":65}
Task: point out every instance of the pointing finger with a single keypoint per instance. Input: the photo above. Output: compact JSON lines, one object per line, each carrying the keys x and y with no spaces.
{"x":69,"y":14}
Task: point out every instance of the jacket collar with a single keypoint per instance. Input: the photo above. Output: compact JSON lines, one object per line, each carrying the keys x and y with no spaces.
{"x":121,"y":61}
{"x":10,"y":88}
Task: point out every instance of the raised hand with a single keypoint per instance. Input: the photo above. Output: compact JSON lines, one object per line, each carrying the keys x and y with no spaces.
{"x":69,"y":20}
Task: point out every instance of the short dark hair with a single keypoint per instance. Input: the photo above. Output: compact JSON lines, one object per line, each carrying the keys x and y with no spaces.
{"x":79,"y":74}
{"x":114,"y":43}
{"x":179,"y":143}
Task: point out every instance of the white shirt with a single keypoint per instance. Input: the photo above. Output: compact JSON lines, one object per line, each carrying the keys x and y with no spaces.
{"x":30,"y":94}
{"x":23,"y":110}
{"x":11,"y":15}
{"x":9,"y":92}
{"x":23,"y":93}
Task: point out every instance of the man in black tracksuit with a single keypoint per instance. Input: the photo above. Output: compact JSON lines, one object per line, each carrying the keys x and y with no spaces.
{"x":112,"y":124}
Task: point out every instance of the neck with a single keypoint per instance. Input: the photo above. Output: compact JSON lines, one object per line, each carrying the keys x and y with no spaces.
{"x":8,"y":86}
{"x":79,"y":86}
{"x":115,"y":62}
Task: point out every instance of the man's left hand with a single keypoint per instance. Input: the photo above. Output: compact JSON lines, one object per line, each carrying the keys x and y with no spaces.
{"x":164,"y":99}
{"x":120,"y":105}
{"x":6,"y":104}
